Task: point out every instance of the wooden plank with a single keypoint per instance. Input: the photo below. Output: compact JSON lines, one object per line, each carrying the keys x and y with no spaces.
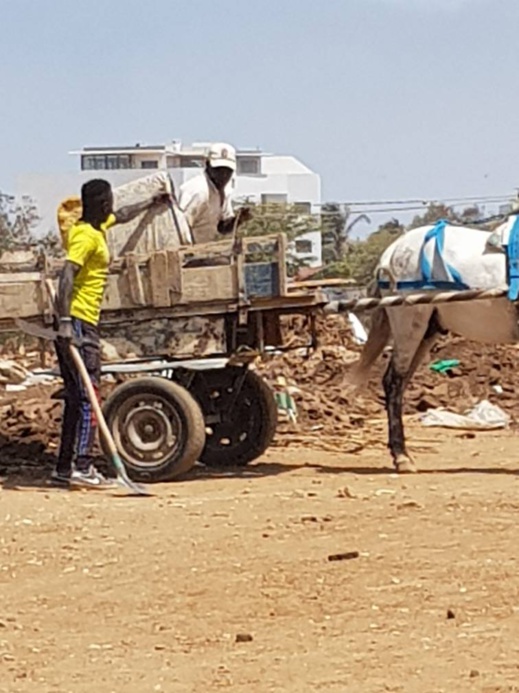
{"x":240,"y":272}
{"x":21,"y":300}
{"x":261,"y":241}
{"x":158,"y":272}
{"x":18,"y":257}
{"x":174,"y":276}
{"x":118,"y":295}
{"x":12,"y":277}
{"x":135,"y":280}
{"x":201,"y":284}
{"x":207,"y":250}
{"x":133,"y":315}
{"x":282,"y":259}
{"x":317,"y":283}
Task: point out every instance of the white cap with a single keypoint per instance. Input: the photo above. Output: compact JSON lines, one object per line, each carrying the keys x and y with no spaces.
{"x":221,"y":154}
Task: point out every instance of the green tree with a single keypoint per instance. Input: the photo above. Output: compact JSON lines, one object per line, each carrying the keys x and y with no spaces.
{"x":18,"y":219}
{"x":362,"y":256}
{"x":275,"y":218}
{"x":436,"y":211}
{"x":336,"y":227}
{"x":366,"y":254}
{"x":17,"y":222}
{"x":471,"y":214}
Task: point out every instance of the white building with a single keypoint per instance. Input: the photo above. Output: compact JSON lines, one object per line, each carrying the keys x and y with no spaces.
{"x":260,"y":178}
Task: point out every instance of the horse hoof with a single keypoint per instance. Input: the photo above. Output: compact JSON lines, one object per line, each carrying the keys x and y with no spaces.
{"x":405,"y":465}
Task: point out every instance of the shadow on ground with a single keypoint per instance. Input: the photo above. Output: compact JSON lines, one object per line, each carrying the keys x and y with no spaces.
{"x":28,"y":464}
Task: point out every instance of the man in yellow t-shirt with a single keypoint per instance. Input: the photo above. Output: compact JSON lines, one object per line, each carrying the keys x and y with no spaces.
{"x":80,"y":295}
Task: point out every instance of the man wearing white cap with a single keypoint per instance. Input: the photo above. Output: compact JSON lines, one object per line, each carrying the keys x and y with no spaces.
{"x":205,"y":199}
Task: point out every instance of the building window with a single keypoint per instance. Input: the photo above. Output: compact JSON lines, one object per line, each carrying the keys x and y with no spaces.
{"x":92,"y":163}
{"x":192,"y":162}
{"x":248,"y":165}
{"x":274,"y":198}
{"x":103,"y":162}
{"x":149,"y":164}
{"x":117,"y":161}
{"x":303,"y":207}
{"x":173,"y":162}
{"x":303,"y":246}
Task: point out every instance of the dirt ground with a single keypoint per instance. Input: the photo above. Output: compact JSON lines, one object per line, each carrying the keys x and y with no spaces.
{"x":223,"y":582}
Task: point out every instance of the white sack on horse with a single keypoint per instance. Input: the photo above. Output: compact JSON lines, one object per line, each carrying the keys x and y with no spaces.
{"x":466,"y":258}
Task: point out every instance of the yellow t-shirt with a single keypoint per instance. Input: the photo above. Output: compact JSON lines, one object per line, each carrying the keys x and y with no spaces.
{"x":87,"y":247}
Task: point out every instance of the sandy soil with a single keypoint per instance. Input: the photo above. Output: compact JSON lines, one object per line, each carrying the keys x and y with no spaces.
{"x":223,"y":582}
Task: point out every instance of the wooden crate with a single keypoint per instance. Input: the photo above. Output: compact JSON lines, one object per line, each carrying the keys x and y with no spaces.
{"x":214,"y":273}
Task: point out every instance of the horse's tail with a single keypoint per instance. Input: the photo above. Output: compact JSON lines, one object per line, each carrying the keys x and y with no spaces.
{"x":378,"y":337}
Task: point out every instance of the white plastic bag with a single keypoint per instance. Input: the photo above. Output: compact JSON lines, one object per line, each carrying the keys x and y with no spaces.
{"x":484,"y":416}
{"x":359,"y":333}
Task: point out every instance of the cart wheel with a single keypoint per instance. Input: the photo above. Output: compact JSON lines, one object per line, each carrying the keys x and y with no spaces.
{"x":246,"y":413}
{"x":157,"y":426}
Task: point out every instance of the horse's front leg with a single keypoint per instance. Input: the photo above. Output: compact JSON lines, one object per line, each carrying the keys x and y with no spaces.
{"x":394,"y":386}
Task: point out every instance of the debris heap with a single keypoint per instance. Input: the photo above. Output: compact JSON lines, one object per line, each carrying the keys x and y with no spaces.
{"x":331,"y":415}
{"x":328,"y":406}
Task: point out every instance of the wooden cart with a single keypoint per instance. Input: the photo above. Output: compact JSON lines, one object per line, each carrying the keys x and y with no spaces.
{"x":183,"y":401}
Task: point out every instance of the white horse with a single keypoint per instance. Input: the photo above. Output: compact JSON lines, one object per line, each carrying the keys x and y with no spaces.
{"x":439,"y":257}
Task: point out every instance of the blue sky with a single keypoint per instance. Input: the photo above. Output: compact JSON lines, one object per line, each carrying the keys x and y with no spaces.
{"x":385,"y":98}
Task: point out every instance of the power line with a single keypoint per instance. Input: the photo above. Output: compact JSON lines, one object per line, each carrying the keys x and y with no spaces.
{"x":383,"y":210}
{"x":422,"y":201}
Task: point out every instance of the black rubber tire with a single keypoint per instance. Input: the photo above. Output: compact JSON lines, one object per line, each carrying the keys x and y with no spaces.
{"x":254,"y":418}
{"x":183,"y":408}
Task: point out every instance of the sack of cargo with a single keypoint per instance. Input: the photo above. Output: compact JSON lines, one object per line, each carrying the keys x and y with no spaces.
{"x":69,"y":213}
{"x":155,"y":229}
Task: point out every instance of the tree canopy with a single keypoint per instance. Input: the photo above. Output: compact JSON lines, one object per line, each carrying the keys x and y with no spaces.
{"x":356,"y":259}
{"x":289,"y":219}
{"x":18,"y":219}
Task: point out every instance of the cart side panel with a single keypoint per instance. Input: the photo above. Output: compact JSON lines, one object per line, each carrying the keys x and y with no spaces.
{"x":179,"y":337}
{"x":21,"y":299}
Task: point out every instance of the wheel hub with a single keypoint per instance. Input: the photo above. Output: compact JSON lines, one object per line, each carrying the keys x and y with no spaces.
{"x":147,"y":430}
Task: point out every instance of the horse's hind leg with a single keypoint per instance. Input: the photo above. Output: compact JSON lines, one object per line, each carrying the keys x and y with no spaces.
{"x":414,"y":332}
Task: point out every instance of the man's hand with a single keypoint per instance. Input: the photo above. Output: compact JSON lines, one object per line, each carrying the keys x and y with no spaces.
{"x":130,"y":212}
{"x":162,"y":199}
{"x":65,"y":331}
{"x":244,"y":215}
{"x":227,"y":226}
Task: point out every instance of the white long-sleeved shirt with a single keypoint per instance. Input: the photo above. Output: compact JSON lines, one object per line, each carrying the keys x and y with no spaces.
{"x":204,"y":208}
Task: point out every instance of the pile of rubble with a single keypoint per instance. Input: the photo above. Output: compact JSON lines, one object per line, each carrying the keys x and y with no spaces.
{"x":327,"y":405}
{"x":330,"y":414}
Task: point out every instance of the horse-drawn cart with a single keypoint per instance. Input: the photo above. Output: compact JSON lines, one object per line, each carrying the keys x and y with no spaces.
{"x":188,"y":322}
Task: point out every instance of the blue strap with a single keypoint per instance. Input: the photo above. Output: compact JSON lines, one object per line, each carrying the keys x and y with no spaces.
{"x":512,"y":251}
{"x":427,"y":282}
{"x":437,"y":234}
